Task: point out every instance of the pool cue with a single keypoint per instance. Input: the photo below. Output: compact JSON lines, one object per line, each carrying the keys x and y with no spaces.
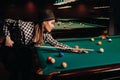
{"x":63,"y":48}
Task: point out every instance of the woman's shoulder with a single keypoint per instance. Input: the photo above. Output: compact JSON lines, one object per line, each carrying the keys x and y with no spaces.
{"x":23,"y":22}
{"x":9,"y":20}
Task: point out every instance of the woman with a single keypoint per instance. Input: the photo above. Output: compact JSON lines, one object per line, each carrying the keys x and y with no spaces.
{"x":33,"y":35}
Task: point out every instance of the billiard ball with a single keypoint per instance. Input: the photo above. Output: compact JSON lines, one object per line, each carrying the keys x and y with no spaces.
{"x":70,"y":23}
{"x":109,"y":40}
{"x":103,"y":37}
{"x":61,"y":54}
{"x":101,"y":50}
{"x":52,"y":60}
{"x":59,"y":23}
{"x":92,"y":39}
{"x":64,"y":64}
{"x":83,"y":25}
{"x":49,"y":58}
{"x":99,"y":43}
{"x":80,"y":24}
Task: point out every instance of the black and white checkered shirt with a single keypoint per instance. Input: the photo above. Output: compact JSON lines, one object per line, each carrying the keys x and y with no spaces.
{"x":28,"y":29}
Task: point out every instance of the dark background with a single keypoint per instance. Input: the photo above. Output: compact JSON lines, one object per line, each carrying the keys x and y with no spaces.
{"x":116,"y":15}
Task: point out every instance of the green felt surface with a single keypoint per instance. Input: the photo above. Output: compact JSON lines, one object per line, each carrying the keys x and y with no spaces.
{"x":75,"y":25}
{"x":111,"y":54}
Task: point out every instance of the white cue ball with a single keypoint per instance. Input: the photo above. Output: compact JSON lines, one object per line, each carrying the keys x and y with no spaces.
{"x":109,"y":40}
{"x":52,"y":60}
{"x":101,"y":50}
{"x":64,"y":64}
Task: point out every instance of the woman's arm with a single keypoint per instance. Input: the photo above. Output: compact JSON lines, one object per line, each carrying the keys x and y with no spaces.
{"x":55,"y":43}
{"x":8,"y":41}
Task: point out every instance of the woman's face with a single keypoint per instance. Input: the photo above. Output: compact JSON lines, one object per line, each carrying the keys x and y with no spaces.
{"x":49,"y":25}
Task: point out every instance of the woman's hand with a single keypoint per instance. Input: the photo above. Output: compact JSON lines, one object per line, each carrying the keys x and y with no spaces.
{"x":9,"y":42}
{"x":82,"y":50}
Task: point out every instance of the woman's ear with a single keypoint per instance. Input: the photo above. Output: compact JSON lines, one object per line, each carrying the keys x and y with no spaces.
{"x":45,"y":23}
{"x":47,"y":27}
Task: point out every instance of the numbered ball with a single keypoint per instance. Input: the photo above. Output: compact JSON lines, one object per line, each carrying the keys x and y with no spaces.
{"x":99,"y":43}
{"x":61,"y":54}
{"x":109,"y":40}
{"x":101,"y":50}
{"x":49,"y":58}
{"x":64,"y":64}
{"x":92,"y":39}
{"x":52,"y":60}
{"x":103,"y":37}
{"x":80,"y":23}
{"x":83,"y":25}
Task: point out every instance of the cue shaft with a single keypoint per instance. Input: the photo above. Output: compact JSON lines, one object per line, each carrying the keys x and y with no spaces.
{"x":63,"y":48}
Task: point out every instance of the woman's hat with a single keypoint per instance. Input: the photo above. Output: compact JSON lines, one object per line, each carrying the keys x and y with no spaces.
{"x":46,"y":15}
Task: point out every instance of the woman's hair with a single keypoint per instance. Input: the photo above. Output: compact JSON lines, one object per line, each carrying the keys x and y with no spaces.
{"x":38,"y":35}
{"x":45,"y":15}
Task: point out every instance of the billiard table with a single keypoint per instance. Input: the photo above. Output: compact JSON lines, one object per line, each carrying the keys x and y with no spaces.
{"x":93,"y":65}
{"x":77,"y":29}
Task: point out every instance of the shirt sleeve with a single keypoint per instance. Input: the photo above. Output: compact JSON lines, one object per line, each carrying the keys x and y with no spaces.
{"x":6,"y":25}
{"x":55,"y":43}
